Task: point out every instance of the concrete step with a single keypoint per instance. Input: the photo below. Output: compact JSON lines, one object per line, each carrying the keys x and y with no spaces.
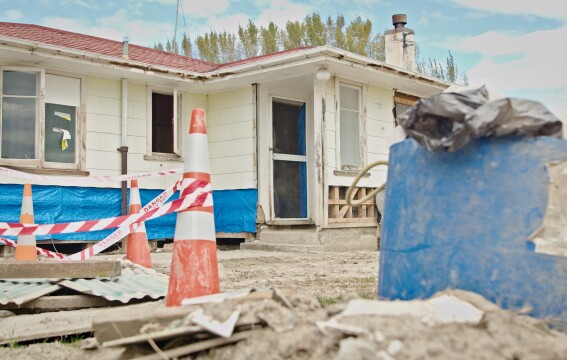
{"x":300,"y":236}
{"x":285,"y":247}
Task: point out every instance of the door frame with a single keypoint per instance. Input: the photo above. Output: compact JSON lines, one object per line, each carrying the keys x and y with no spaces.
{"x":265,"y":160}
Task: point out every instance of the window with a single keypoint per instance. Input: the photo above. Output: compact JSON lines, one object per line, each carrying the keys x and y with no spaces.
{"x":36,"y":131}
{"x":349,"y":127}
{"x":165,"y":114}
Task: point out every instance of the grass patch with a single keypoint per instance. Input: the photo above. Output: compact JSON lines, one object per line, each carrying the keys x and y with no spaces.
{"x":72,"y":339}
{"x":328,"y":300}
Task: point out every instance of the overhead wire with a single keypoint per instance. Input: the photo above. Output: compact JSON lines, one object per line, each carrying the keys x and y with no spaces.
{"x":52,"y":11}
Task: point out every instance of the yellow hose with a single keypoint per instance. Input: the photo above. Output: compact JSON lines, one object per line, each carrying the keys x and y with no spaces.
{"x":352,"y":186}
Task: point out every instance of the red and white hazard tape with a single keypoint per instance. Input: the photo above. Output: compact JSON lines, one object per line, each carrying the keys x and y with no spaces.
{"x":87,"y":180}
{"x":200,"y":194}
{"x":121,"y":232}
{"x":39,"y":250}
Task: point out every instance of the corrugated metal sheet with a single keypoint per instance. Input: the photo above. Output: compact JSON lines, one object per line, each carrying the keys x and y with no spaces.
{"x":135,"y":282}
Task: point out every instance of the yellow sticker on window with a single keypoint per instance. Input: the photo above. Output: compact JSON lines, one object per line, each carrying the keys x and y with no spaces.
{"x":63,"y":115}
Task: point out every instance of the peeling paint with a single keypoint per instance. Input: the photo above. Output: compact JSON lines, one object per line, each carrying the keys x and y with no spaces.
{"x":551,"y":237}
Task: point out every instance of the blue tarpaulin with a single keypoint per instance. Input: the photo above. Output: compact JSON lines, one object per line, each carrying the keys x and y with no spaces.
{"x":235,"y":210}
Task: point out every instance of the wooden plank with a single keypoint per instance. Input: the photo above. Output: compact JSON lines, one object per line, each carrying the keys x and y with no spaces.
{"x":59,"y":269}
{"x":200,"y":346}
{"x":343,"y":202}
{"x":339,"y":225}
{"x":59,"y":303}
{"x":112,"y":325}
{"x":54,"y":324}
{"x":240,"y":235}
{"x":343,"y":211}
{"x":354,"y":220}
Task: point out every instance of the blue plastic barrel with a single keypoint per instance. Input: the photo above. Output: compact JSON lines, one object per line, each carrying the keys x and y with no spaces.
{"x":462,"y":221}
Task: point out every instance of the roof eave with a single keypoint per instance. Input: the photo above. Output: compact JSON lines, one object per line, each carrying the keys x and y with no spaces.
{"x":76,"y":55}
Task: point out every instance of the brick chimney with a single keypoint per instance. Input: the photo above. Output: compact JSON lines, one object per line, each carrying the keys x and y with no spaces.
{"x":400,"y":44}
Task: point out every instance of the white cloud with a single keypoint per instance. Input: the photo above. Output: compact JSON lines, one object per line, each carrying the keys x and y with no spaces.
{"x":280,"y":12}
{"x":207,"y":8}
{"x":13,"y":15}
{"x":554,"y":9}
{"x":426,"y":17}
{"x":115,"y":27}
{"x":534,"y":60}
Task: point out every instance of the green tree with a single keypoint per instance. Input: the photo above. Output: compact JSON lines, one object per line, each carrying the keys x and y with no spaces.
{"x":168,"y":46}
{"x":315,"y":30}
{"x":293,"y":35}
{"x":186,"y":46}
{"x":248,"y":37}
{"x":269,"y":38}
{"x":208,"y":46}
{"x":358,"y":35}
{"x":228,"y":47}
{"x":158,"y":46}
{"x":339,"y":35}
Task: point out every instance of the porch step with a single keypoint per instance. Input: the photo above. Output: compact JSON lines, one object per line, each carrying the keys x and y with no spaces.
{"x":299,"y":236}
{"x":284,"y":247}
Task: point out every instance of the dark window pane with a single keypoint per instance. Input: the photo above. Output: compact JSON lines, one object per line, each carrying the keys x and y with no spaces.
{"x":288,"y":128}
{"x":20,"y":83}
{"x":57,"y":119}
{"x":19,"y":117}
{"x":162,"y":123}
{"x":290,"y":189}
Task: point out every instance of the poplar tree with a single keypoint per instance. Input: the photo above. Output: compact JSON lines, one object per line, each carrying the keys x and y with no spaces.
{"x":186,"y":46}
{"x":248,"y":37}
{"x":269,"y":38}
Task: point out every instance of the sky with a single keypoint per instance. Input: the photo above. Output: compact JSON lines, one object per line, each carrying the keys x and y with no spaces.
{"x":518,"y":48}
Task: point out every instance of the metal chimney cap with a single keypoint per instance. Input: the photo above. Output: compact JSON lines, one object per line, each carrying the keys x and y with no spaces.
{"x":399,"y":20}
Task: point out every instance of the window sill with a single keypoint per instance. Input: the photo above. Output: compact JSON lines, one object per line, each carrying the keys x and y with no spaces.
{"x":349,"y":173}
{"x":163,"y":157}
{"x":71,"y":172}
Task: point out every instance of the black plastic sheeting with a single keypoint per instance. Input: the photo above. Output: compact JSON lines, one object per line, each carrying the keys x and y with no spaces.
{"x":449,"y":121}
{"x":235,"y":210}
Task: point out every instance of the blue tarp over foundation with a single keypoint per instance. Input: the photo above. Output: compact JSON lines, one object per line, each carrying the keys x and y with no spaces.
{"x":463,"y":220}
{"x":235,"y":210}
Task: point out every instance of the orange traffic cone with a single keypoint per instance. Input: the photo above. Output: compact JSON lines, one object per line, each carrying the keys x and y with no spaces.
{"x":137,"y":248}
{"x":194,"y":267}
{"x":26,"y":243}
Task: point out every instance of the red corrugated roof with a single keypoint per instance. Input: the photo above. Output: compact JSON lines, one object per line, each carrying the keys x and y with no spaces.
{"x":111,"y":48}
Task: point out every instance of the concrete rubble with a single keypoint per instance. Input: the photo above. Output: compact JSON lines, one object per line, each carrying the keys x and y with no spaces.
{"x":274,"y":324}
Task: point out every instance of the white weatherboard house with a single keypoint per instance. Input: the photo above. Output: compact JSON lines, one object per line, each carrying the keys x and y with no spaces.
{"x":287,"y":131}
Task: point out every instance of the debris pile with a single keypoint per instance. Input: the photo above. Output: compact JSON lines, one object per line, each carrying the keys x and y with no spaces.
{"x":277,"y":325}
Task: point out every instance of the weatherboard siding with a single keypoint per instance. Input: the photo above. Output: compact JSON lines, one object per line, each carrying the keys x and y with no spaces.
{"x":230,"y":126}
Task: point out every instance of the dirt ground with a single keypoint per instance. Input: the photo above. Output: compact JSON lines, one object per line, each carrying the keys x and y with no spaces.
{"x":322,"y":283}
{"x":328,"y":276}
{"x":325,"y":275}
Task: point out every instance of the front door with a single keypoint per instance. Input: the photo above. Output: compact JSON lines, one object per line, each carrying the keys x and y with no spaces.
{"x":289,"y":160}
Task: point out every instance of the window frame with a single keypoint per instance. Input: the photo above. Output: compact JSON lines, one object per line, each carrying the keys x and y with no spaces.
{"x":40,"y":165}
{"x":178,"y":109}
{"x":40,"y":123}
{"x":361,"y":123}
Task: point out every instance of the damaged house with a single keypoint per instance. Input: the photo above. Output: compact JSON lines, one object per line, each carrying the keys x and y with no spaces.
{"x":287,"y":131}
